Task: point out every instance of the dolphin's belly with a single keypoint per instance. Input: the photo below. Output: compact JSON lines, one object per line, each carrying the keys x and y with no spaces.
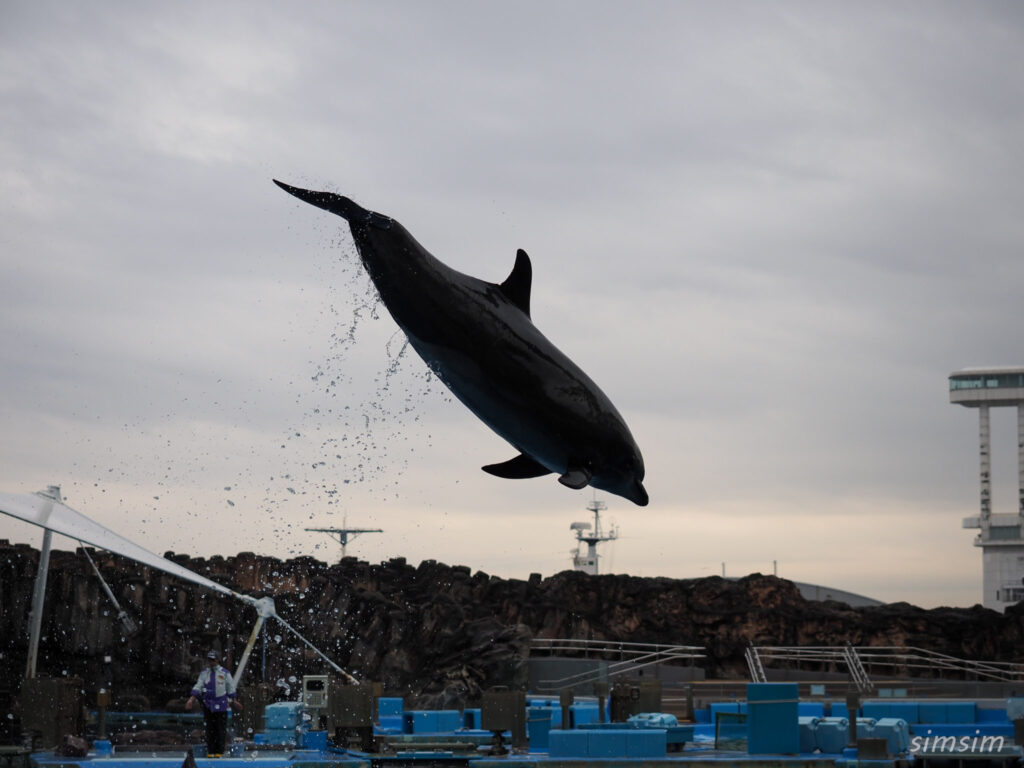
{"x":531,"y":401}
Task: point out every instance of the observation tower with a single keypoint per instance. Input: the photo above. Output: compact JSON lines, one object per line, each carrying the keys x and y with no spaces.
{"x":1000,"y":539}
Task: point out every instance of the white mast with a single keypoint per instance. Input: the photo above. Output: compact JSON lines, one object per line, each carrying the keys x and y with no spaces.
{"x":591,"y":535}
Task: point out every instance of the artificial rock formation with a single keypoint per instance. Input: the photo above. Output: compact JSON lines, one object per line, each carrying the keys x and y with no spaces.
{"x":438,"y":634}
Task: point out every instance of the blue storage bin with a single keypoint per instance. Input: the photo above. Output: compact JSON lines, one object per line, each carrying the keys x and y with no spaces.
{"x":279,"y":736}
{"x":961,"y":711}
{"x":388,"y":706}
{"x":606,"y":743}
{"x":904,"y":710}
{"x":772,"y":725}
{"x":314,"y":740}
{"x":283,"y":714}
{"x":832,"y":734}
{"x":895,"y":731}
{"x":875,"y":709}
{"x":808,"y":734}
{"x":647,"y":742}
{"x":568,"y":743}
{"x":391,"y":723}
{"x":839,"y":709}
{"x":583,"y":713}
{"x":991,"y":716}
{"x":471,"y":719}
{"x":538,"y":727}
{"x":865,"y":727}
{"x":419,"y":721}
{"x":810,"y":709}
{"x":448,"y":720}
{"x":931,"y":712}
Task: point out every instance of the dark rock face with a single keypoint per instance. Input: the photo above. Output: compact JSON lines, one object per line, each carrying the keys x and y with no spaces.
{"x":438,"y":633}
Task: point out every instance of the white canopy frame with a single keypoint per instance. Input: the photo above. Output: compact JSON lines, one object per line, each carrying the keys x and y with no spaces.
{"x":47,"y":510}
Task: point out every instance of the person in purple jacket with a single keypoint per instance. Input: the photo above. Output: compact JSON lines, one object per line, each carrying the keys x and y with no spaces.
{"x":215,"y":690}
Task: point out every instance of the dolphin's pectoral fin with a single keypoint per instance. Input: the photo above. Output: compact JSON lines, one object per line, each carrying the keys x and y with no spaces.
{"x":575,"y":477}
{"x":519,"y":468}
{"x":517,"y":285}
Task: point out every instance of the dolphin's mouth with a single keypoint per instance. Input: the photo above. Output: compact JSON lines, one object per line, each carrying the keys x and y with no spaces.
{"x":339,"y":205}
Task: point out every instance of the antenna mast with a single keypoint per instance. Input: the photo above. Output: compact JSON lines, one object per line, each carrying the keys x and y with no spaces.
{"x":343,"y":534}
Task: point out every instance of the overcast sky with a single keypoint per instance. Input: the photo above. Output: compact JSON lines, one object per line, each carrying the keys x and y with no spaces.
{"x":769,"y":231}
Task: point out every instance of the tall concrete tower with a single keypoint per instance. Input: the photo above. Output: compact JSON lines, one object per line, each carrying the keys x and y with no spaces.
{"x":1001,"y":539}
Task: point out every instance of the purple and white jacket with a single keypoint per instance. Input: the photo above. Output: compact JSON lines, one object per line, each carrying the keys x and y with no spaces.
{"x":215,"y":688}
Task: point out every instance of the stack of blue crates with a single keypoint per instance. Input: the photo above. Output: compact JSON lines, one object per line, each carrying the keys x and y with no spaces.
{"x":281,"y":721}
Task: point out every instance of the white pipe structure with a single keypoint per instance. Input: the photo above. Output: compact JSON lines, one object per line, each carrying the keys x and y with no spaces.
{"x":46,"y":510}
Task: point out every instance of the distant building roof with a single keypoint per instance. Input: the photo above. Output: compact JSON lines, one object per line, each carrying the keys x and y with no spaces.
{"x":820,"y":594}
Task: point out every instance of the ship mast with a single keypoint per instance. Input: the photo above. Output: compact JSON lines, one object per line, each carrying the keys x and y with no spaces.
{"x":591,"y":535}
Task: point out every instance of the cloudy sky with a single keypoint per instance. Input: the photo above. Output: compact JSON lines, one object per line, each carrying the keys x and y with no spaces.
{"x":769,"y":231}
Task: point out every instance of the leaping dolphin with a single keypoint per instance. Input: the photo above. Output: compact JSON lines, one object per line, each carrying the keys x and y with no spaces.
{"x":479,"y":340}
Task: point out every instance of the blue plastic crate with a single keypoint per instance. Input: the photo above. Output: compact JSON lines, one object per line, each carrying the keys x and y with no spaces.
{"x":865,"y":727}
{"x":568,"y":743}
{"x":646,"y":742}
{"x":875,"y":709}
{"x":419,"y":721}
{"x":905,"y":710}
{"x":606,"y":743}
{"x":961,"y":711}
{"x":931,"y":712}
{"x":388,"y":706}
{"x":895,"y":731}
{"x":448,"y":720}
{"x":584,"y":713}
{"x":832,"y":734}
{"x":283,"y":714}
{"x":279,"y":736}
{"x":772,"y":725}
{"x":313,"y":740}
{"x":810,"y":709}
{"x":471,"y":719}
{"x":808,"y":734}
{"x":538,"y":727}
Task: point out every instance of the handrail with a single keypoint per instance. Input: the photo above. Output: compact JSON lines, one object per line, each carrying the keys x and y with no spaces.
{"x":898,"y":657}
{"x":637,"y":656}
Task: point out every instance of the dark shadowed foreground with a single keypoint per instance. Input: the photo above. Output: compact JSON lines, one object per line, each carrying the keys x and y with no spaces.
{"x":436,"y":632}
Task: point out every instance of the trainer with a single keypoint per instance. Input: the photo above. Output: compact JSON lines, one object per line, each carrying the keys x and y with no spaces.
{"x":215,"y":690}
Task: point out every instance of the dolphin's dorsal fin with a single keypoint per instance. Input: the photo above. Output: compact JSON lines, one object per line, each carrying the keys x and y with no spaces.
{"x":575,"y":477}
{"x":519,"y":468}
{"x":517,"y":285}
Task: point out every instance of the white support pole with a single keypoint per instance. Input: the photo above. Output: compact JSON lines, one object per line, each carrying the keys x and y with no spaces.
{"x":1020,"y":460}
{"x":38,"y":593}
{"x":985,"y":462}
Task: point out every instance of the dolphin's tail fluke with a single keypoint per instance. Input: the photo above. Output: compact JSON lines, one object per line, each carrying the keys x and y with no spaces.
{"x":337,"y":204}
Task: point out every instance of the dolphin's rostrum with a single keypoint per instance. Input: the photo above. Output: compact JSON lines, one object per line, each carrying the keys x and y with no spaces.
{"x":479,"y":340}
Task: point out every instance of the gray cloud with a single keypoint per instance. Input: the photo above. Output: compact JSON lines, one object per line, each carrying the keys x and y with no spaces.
{"x":769,"y":231}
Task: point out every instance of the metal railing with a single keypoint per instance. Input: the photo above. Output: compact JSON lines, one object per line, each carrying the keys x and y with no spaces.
{"x":907,"y":661}
{"x":624,"y":658}
{"x":754,"y":665}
